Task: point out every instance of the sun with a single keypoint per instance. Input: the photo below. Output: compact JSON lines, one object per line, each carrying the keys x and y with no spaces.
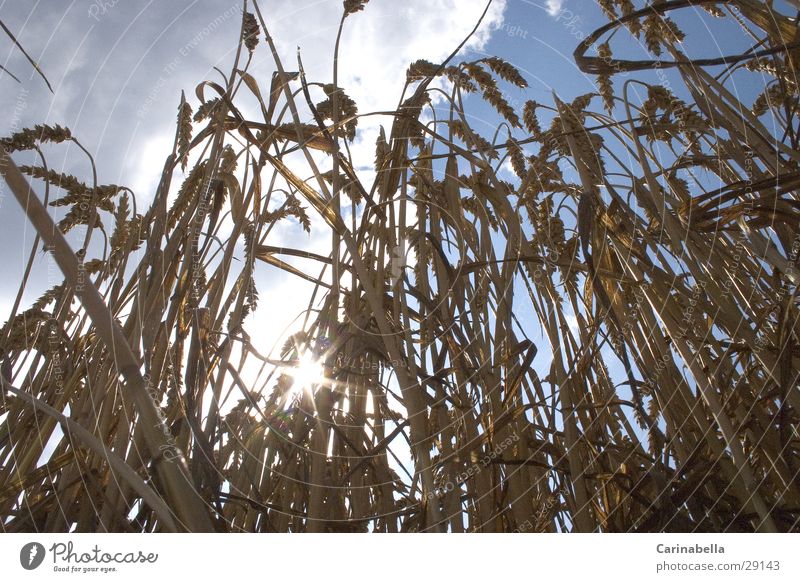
{"x":307,"y":372}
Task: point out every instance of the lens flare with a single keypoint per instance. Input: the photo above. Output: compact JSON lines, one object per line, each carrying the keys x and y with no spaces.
{"x":307,"y":372}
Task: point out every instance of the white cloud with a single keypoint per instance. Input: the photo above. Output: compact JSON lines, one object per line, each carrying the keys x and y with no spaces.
{"x":554,"y":7}
{"x":147,"y":164}
{"x":377,"y":46}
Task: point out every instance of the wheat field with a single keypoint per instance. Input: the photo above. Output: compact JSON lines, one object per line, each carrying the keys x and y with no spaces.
{"x":660,"y":272}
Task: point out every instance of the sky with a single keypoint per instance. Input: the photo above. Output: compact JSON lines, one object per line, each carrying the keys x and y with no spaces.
{"x":118,"y":68}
